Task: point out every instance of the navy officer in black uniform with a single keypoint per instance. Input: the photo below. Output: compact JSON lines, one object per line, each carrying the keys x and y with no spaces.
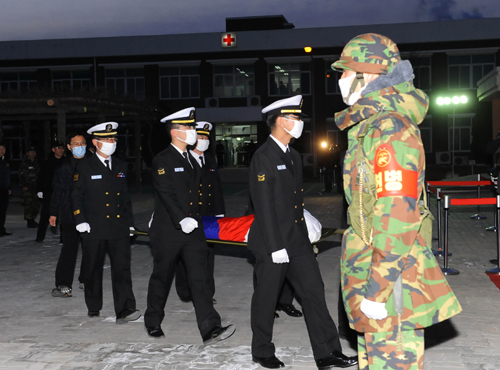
{"x":103,"y":215}
{"x":176,"y":232}
{"x":212,"y":200}
{"x":279,"y":240}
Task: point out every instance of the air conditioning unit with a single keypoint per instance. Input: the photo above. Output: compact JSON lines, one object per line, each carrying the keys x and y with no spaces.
{"x":253,"y":101}
{"x":307,"y":160}
{"x":212,"y":102}
{"x":461,"y":160}
{"x":443,"y":158}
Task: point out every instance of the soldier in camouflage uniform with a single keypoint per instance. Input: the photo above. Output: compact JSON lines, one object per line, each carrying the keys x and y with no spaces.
{"x":392,"y":285}
{"x":28,"y":172}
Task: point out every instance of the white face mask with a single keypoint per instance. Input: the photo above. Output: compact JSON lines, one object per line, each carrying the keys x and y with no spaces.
{"x":345,"y":85}
{"x":191,"y":136}
{"x":107,"y":148}
{"x":202,"y":144}
{"x":298,"y":126}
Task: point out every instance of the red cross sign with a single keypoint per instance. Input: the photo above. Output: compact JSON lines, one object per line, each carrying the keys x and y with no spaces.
{"x":228,"y":40}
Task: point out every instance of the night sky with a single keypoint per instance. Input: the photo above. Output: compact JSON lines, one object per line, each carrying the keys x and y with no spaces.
{"x":35,"y":19}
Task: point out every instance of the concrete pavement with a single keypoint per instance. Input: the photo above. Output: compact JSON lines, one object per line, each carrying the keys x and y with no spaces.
{"x":42,"y":332}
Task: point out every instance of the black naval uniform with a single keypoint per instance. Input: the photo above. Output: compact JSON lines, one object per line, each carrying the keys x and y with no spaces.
{"x":177,"y":190}
{"x":277,"y":196}
{"x":60,"y":207}
{"x":100,"y":198}
{"x":212,"y":200}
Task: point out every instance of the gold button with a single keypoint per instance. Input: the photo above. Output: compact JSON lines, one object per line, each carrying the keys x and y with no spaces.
{"x":209,"y":185}
{"x":117,"y":193}
{"x":295,"y":206}
{"x":190,"y":191}
{"x":107,"y":193}
{"x":200,"y":203}
{"x":200,"y":184}
{"x":118,"y":205}
{"x":107,"y":205}
{"x":201,"y":194}
{"x":295,"y":221}
{"x":107,"y":216}
{"x":209,"y":203}
{"x":209,"y":195}
{"x":117,"y":216}
{"x":302,"y":204}
{"x":191,"y":203}
{"x":302,"y":219}
{"x":301,"y":189}
{"x":294,"y":192}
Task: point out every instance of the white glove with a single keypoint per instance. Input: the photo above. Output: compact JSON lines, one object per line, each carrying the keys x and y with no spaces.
{"x":373,"y":310}
{"x":188,"y":224}
{"x":132,"y":229}
{"x":280,"y":256}
{"x":313,"y":227}
{"x":83,"y":227}
{"x":39,"y":195}
{"x":221,"y":215}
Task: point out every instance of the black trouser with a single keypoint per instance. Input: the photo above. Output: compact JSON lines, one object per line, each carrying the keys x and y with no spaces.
{"x":94,"y":252}
{"x":181,"y":281}
{"x":44,"y":217}
{"x":194,"y":255}
{"x":304,"y":275}
{"x":4,"y":202}
{"x":286,"y":295}
{"x":65,"y":269}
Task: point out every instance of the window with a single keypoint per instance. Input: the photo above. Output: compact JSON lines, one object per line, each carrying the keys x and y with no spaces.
{"x":461,"y":131}
{"x":126,"y":81}
{"x":422,"y":72}
{"x":331,"y":79}
{"x":289,"y":79}
{"x":180,"y":82}
{"x":234,"y":80}
{"x":464,"y":71}
{"x":17,"y":81}
{"x":426,"y":133}
{"x":67,"y":80}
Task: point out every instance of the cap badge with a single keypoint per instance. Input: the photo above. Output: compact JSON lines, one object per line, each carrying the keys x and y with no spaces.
{"x":109,"y":127}
{"x":206,"y":127}
{"x":191,"y":115}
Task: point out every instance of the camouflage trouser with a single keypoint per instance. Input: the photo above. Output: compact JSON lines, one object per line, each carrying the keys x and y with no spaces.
{"x":378,"y":351}
{"x":31,"y":205}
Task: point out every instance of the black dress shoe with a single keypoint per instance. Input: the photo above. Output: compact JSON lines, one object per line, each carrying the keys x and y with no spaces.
{"x":155,"y":331}
{"x":128,"y":315}
{"x":218,"y":333}
{"x":93,"y":313}
{"x":336,"y":359}
{"x":289,"y":309}
{"x":268,"y":362}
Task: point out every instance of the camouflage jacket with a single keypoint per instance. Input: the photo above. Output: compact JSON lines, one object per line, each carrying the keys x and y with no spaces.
{"x":28,"y":173}
{"x":386,"y":253}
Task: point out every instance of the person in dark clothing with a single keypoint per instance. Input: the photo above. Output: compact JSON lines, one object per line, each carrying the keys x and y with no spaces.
{"x":220,"y":151}
{"x":60,"y":210}
{"x":212,"y":200}
{"x":177,"y":234}
{"x":28,"y":173}
{"x":44,"y":186}
{"x":103,"y":215}
{"x":5,"y":191}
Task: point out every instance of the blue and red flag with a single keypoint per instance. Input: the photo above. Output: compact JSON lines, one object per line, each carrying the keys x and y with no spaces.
{"x":232,"y":229}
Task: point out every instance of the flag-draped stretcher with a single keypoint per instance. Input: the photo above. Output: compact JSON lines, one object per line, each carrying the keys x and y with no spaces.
{"x":234,"y":230}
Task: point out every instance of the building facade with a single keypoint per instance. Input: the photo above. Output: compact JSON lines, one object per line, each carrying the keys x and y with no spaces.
{"x":229,"y":76}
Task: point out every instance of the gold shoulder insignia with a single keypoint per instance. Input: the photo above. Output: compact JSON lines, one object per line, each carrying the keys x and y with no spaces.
{"x":75,"y":177}
{"x":77,"y":212}
{"x":161,"y":171}
{"x":261,"y":177}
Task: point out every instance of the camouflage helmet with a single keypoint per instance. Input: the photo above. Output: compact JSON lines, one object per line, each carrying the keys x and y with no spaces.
{"x":369,"y":53}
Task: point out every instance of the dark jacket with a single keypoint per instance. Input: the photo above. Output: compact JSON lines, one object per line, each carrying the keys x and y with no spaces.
{"x":177,"y":192}
{"x":46,"y":175}
{"x":100,"y":197}
{"x":212,"y":198}
{"x":277,"y":196}
{"x":4,"y":174}
{"x":60,"y":205}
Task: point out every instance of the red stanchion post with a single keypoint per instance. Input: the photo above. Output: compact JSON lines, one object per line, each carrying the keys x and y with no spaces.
{"x":445,"y":269}
{"x":496,"y":270}
{"x":478,"y":215}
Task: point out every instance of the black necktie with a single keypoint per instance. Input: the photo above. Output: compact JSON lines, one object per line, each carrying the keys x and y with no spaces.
{"x":107,"y":164}
{"x":187,"y":158}
{"x":289,"y":154}
{"x":201,"y":161}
